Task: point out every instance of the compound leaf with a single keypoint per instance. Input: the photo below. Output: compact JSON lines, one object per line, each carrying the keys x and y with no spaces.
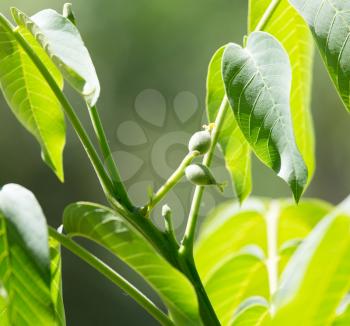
{"x":63,"y":43}
{"x":101,"y":225}
{"x":258,"y":84}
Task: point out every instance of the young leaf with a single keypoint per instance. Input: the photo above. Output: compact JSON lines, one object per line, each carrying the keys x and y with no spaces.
{"x":25,"y":259}
{"x":258,"y":83}
{"x":235,"y":148}
{"x":253,"y":311}
{"x":290,"y":29}
{"x":63,"y":43}
{"x":238,"y":277}
{"x":329,"y":22}
{"x":30,"y":97}
{"x":101,"y":225}
{"x":317,"y":275}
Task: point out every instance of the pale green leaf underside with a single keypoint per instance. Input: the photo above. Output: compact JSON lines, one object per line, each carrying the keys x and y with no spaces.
{"x":317,"y":276}
{"x":30,"y":97}
{"x":290,"y":29}
{"x":258,"y":84}
{"x":252,"y":312}
{"x":235,"y":148}
{"x":25,"y":259}
{"x":329,"y":21}
{"x":63,"y":43}
{"x":101,"y":225}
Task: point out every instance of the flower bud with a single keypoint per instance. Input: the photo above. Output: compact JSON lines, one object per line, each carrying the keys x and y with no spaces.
{"x":200,"y":141}
{"x":200,"y":175}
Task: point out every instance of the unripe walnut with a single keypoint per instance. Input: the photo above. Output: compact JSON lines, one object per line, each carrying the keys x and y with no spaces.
{"x":200,"y":175}
{"x":200,"y":141}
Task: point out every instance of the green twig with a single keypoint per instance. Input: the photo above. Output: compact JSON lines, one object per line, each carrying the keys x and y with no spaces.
{"x":172,"y":181}
{"x":112,"y":275}
{"x":120,"y":190}
{"x":188,"y":239}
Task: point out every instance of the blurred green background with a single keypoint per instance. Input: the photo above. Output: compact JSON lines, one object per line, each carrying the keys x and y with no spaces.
{"x":164,"y":46}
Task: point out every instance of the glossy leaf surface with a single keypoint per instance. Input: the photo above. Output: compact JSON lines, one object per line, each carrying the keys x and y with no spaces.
{"x":290,"y":29}
{"x":258,"y":84}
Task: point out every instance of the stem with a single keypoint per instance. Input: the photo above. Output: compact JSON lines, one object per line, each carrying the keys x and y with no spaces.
{"x":113,"y":276}
{"x":84,"y":138}
{"x":188,"y":239}
{"x":207,"y":311}
{"x":120,"y":190}
{"x":172,"y":181}
{"x":267,"y":15}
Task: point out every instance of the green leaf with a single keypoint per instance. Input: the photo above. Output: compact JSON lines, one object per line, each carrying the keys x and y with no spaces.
{"x":56,"y":280}
{"x":317,"y":277}
{"x":30,"y":97}
{"x":101,"y":225}
{"x":290,"y":29}
{"x":253,"y":311}
{"x":238,"y":277}
{"x":63,"y":43}
{"x":329,"y":22}
{"x":229,"y":234}
{"x":258,"y":83}
{"x":25,"y":259}
{"x":235,"y":148}
{"x":343,"y":315}
{"x":3,"y":307}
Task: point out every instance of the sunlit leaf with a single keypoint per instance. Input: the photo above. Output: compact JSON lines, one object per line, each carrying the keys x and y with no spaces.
{"x":30,"y":97}
{"x":101,"y":225}
{"x":329,"y":22}
{"x":224,"y":254}
{"x":252,"y":312}
{"x":238,"y":277}
{"x":290,"y":29}
{"x":258,"y":84}
{"x":235,"y":148}
{"x":25,"y":260}
{"x":56,"y":280}
{"x":63,"y":43}
{"x":317,"y":276}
